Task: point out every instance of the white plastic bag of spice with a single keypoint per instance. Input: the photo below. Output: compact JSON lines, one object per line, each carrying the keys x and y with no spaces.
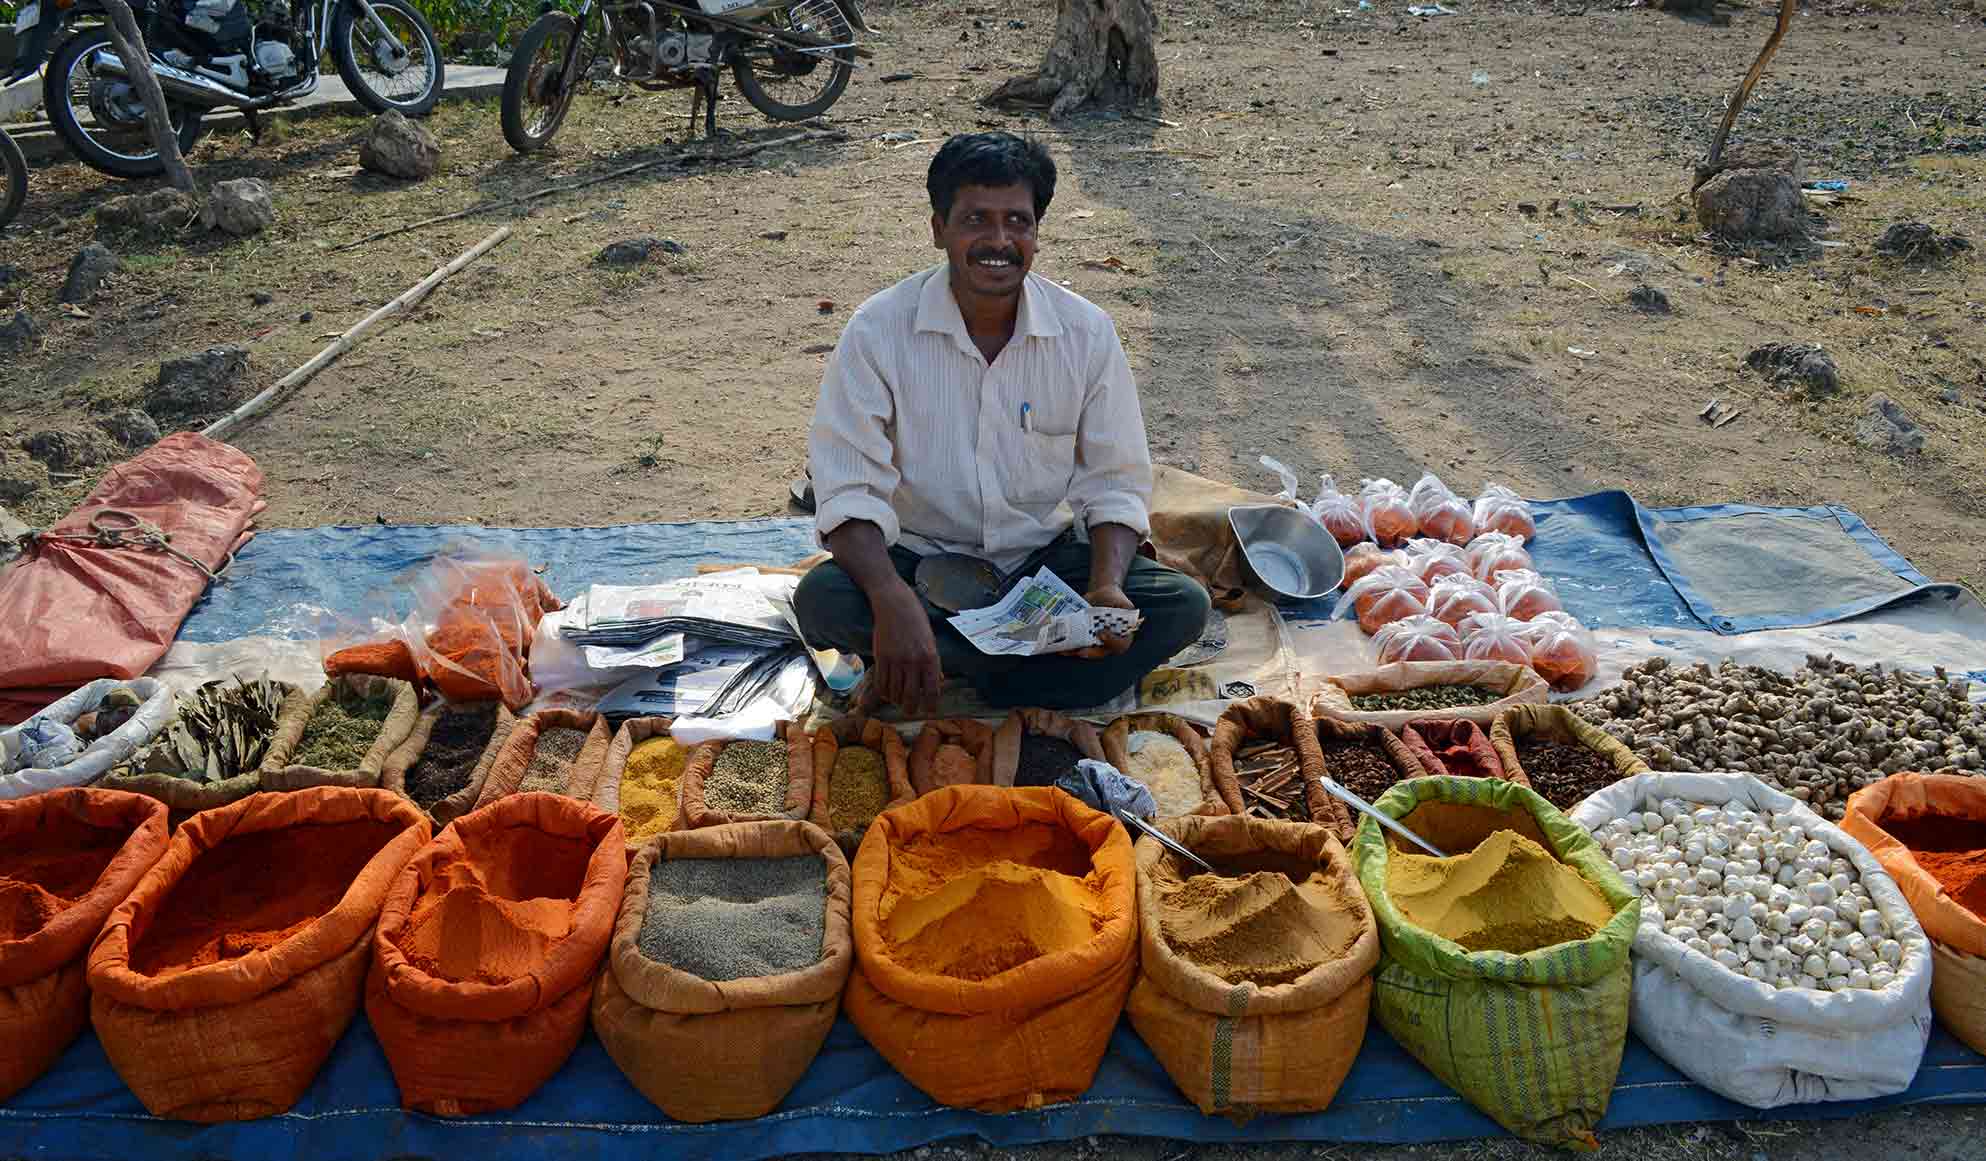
{"x":154,"y":712}
{"x":1743,"y":1038}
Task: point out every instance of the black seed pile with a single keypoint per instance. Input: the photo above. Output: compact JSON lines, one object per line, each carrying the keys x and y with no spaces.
{"x":1044,"y":759}
{"x":1564,"y":773}
{"x":460,"y":735}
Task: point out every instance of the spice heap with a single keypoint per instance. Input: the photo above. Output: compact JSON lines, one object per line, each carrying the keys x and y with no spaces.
{"x":1044,"y":760}
{"x":1953,"y":850}
{"x":973,"y":903}
{"x":454,"y":747}
{"x":1271,"y":779}
{"x":1819,"y":734}
{"x":648,"y":787}
{"x":733,"y":919}
{"x":1755,"y":892}
{"x":748,"y":778}
{"x":119,"y":705}
{"x":858,"y":787}
{"x":1265,"y":928}
{"x":550,"y":768}
{"x":43,"y":874}
{"x":254,"y":891}
{"x":503,"y":912}
{"x":953,"y":765}
{"x":1425,"y":697}
{"x":1564,"y":772}
{"x":1159,"y":761}
{"x":1509,"y":894}
{"x":223,"y":730}
{"x":1359,"y":766}
{"x":341,"y":729}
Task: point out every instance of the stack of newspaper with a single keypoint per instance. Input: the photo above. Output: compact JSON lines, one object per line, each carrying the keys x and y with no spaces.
{"x":725,"y":607}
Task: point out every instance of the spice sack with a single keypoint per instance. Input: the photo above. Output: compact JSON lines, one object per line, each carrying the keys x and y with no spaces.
{"x":996,"y":937}
{"x":1265,"y":752}
{"x":554,"y":751}
{"x":861,"y":768}
{"x":67,"y":858}
{"x":1728,"y":1025}
{"x":1532,"y":1036}
{"x":727,"y":967}
{"x":488,"y":946}
{"x":951,"y":752}
{"x":1929,"y":832}
{"x":443,"y":763}
{"x":219,"y":987}
{"x":747,"y":781}
{"x":342,"y":735}
{"x":1503,"y":685}
{"x":1169,"y":756}
{"x":73,"y":740}
{"x":1253,"y":984}
{"x":642,"y":780}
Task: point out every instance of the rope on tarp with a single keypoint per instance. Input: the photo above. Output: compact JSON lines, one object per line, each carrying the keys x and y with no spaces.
{"x":116,"y":528}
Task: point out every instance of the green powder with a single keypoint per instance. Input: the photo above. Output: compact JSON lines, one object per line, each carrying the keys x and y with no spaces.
{"x":341,"y":729}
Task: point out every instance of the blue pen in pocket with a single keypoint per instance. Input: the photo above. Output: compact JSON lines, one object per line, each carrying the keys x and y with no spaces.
{"x":1027,"y":417}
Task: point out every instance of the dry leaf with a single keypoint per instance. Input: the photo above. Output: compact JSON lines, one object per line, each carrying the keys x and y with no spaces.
{"x":1113,"y":263}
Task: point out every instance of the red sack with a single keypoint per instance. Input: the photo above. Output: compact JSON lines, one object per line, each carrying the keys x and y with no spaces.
{"x":75,"y":611}
{"x":1452,"y":747}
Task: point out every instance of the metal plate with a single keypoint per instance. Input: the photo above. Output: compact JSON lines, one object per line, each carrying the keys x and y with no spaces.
{"x":956,"y":582}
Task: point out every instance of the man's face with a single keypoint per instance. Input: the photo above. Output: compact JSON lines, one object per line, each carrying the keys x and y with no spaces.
{"x":989,"y":238}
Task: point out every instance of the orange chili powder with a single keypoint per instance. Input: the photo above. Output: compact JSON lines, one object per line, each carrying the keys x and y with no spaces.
{"x":47,"y":870}
{"x":495,"y":915}
{"x":254,"y":891}
{"x":1953,"y":850}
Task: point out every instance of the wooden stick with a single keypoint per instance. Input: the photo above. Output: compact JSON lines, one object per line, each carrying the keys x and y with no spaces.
{"x":678,"y":158}
{"x":324,"y":358}
{"x":1710,"y":165}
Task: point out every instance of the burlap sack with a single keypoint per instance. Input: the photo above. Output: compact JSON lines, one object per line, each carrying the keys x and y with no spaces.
{"x":280,"y":773}
{"x":393,"y":775}
{"x":974,"y":737}
{"x":1286,"y":724}
{"x":799,"y":782}
{"x":1397,"y":754}
{"x":1241,"y":1049}
{"x":1556,"y":723}
{"x":243,"y":1037}
{"x":460,"y":1046}
{"x":1455,"y":748}
{"x":1191,"y":533}
{"x":92,"y":846}
{"x":633,"y":732}
{"x":1116,"y":750}
{"x":1517,"y":684}
{"x":705,"y":1051}
{"x":513,"y":758}
{"x":857,"y":731}
{"x":1958,"y":936}
{"x":1026,"y":1037}
{"x":1021,"y":722}
{"x":186,"y":796}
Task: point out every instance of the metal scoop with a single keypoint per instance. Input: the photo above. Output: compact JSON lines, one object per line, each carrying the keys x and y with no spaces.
{"x":1166,"y":841}
{"x":958,"y":583}
{"x":1331,"y":786}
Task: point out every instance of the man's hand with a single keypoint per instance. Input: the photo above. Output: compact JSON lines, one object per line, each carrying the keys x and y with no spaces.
{"x":907,"y":672}
{"x":1108,"y":644}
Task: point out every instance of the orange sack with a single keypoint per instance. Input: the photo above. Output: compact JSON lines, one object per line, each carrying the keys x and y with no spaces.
{"x":67,"y":858}
{"x":995,"y":939}
{"x":488,"y":945}
{"x":219,"y":987}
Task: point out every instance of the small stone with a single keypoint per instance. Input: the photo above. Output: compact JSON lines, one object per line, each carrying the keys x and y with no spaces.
{"x":1017,"y":25}
{"x":400,"y":148}
{"x":130,"y":427}
{"x":1800,"y":363}
{"x":9,"y":275}
{"x":1649,"y":300}
{"x":1915,"y":240}
{"x":12,"y":528}
{"x":240,"y":207}
{"x":18,"y":334}
{"x":87,"y":270}
{"x":774,"y":235}
{"x":635,"y":251}
{"x":261,"y":298}
{"x":1887,"y":428}
{"x":20,"y":477}
{"x":159,"y":211}
{"x":306,"y":316}
{"x":199,"y":386}
{"x":65,"y":448}
{"x":1948,"y":395}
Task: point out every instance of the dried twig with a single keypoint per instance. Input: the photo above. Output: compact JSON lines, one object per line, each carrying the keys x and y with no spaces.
{"x":1709,"y":168}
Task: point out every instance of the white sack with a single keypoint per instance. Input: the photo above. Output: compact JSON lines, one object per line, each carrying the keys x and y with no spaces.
{"x":107,"y":751}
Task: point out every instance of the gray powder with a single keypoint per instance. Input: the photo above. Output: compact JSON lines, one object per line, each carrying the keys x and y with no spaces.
{"x":732,"y":919}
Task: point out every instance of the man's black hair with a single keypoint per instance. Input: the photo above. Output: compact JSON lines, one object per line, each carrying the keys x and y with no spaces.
{"x":990,"y":159}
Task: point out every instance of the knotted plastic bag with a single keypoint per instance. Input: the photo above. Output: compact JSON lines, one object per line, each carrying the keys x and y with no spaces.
{"x":1363,"y":557}
{"x":1434,"y":559}
{"x":1442,"y":514}
{"x":1494,"y":637}
{"x":1386,"y":595}
{"x":1417,"y":639}
{"x":1499,"y":509}
{"x":1562,"y":650}
{"x":1523,"y":594}
{"x":1494,"y":552}
{"x":1389,"y":519}
{"x":1453,"y":599}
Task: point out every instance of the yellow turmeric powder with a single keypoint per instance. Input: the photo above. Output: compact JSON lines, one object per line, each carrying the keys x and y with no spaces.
{"x":973,"y":903}
{"x":648,"y":787}
{"x":1509,"y":894}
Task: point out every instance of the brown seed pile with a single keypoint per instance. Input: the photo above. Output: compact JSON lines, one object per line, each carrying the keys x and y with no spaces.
{"x":1360,"y":767}
{"x":454,"y":747}
{"x":551,"y":760}
{"x":748,"y":778}
{"x":1425,"y":697}
{"x":858,"y":787}
{"x":1564,"y":772}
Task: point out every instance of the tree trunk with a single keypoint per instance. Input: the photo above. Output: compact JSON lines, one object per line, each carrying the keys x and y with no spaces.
{"x":1103,"y":51}
{"x":137,"y":59}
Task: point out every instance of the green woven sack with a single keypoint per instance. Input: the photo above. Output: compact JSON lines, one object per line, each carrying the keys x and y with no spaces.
{"x":1533,"y":1040}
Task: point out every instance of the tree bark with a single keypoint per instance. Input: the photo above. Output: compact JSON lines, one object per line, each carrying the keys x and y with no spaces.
{"x":137,"y":59}
{"x":1103,"y":51}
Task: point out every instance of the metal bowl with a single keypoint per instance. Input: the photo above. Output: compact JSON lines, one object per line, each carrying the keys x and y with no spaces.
{"x":1288,"y":553}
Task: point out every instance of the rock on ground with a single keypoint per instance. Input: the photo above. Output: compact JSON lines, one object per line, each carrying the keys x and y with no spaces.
{"x":200,"y":386}
{"x":1755,"y":196}
{"x":20,"y":477}
{"x":1888,"y":428}
{"x":18,"y":333}
{"x":87,"y":270}
{"x":398,"y":147}
{"x":1913,"y":240}
{"x":130,"y":427}
{"x":1649,"y":300}
{"x":161,"y":211}
{"x":634,"y":251}
{"x":63,"y":448}
{"x":240,"y":207}
{"x":1799,"y":363}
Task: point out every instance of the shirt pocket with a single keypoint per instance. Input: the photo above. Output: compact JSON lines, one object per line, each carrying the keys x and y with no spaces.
{"x":1047,"y":464}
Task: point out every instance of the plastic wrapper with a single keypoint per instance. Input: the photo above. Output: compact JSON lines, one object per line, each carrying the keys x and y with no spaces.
{"x":1417,"y":639}
{"x":1522,"y":594}
{"x":1387,"y":594}
{"x":1453,"y":599}
{"x":1342,"y":515}
{"x":1389,"y":519}
{"x":1494,"y":552}
{"x":1494,"y":637}
{"x":1442,"y":514}
{"x":1499,"y":509}
{"x":1362,"y":558}
{"x":1434,"y":559}
{"x":1563,"y":651}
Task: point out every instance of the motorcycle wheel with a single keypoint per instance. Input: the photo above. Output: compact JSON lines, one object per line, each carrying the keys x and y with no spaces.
{"x":536,"y":93}
{"x":790,"y":86}
{"x":15,"y":169}
{"x":411,"y":84}
{"x":68,"y":80}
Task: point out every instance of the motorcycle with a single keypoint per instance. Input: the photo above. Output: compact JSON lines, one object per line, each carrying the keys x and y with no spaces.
{"x":14,"y":174}
{"x":213,"y":54}
{"x":790,"y":60}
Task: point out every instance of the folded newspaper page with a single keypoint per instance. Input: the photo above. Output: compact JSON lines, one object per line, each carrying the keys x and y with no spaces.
{"x":1041,"y":614}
